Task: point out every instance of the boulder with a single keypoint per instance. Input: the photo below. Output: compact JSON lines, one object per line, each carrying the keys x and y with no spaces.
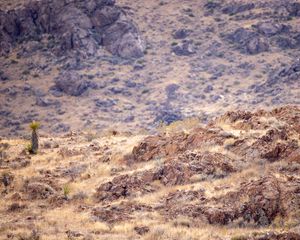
{"x":270,"y":28}
{"x":168,"y":115}
{"x":257,"y":45}
{"x":124,"y":186}
{"x":240,"y":36}
{"x":185,"y":48}
{"x":141,"y":230}
{"x":71,"y":83}
{"x":38,"y":190}
{"x":286,"y":75}
{"x":236,"y":8}
{"x":73,"y":26}
{"x":286,"y":43}
{"x":119,"y":212}
{"x":123,"y":39}
{"x":6,"y":179}
{"x":293,"y":8}
{"x":181,"y":33}
{"x":248,"y":41}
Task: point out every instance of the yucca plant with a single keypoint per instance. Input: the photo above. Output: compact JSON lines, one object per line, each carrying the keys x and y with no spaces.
{"x":34,"y":138}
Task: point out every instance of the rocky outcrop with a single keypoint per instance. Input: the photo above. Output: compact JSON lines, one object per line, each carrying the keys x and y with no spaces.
{"x":236,"y":8}
{"x":181,"y":160}
{"x":120,"y":212}
{"x":38,"y":190}
{"x":157,"y":146}
{"x":262,"y":36}
{"x":287,"y":75}
{"x":125,"y":186}
{"x":187,"y":168}
{"x":81,"y":26}
{"x":281,"y":77}
{"x":71,"y":83}
{"x":272,"y":236}
{"x":248,"y":41}
{"x":270,"y":28}
{"x":186,"y":48}
{"x":258,"y":202}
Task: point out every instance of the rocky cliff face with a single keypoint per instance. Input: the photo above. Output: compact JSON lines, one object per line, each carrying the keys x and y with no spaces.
{"x":81,"y":26}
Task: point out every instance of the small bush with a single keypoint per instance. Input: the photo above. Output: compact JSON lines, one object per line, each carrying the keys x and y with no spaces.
{"x":66,"y":190}
{"x":28,"y":148}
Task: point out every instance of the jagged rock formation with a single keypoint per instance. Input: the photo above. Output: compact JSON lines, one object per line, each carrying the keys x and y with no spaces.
{"x":240,"y":171}
{"x":186,"y":161}
{"x":77,"y":25}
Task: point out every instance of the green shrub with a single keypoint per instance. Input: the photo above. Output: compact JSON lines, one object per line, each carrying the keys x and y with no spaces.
{"x":66,"y":190}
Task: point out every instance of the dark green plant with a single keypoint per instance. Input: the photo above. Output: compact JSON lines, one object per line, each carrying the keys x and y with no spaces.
{"x":34,"y":138}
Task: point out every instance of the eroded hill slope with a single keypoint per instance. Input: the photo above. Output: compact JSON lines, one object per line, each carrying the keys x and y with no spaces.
{"x":235,"y":178}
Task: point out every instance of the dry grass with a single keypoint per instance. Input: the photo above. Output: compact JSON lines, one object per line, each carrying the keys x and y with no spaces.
{"x":75,"y":215}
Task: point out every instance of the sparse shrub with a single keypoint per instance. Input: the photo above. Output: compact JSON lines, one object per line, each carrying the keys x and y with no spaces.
{"x":29,"y":147}
{"x":34,"y":145}
{"x":66,"y":190}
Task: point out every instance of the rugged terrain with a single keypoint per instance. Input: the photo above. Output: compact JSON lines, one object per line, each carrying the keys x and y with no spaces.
{"x":234,"y":178}
{"x":80,"y":65}
{"x":170,"y":119}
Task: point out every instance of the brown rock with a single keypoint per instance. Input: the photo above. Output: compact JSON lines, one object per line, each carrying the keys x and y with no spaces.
{"x":38,"y":190}
{"x":142,"y":230}
{"x":6,"y":179}
{"x":276,"y":236}
{"x":120,"y":212}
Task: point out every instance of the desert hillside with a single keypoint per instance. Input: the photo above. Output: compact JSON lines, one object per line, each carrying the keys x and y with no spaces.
{"x":235,"y":178}
{"x":155,"y":120}
{"x":132,"y":64}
